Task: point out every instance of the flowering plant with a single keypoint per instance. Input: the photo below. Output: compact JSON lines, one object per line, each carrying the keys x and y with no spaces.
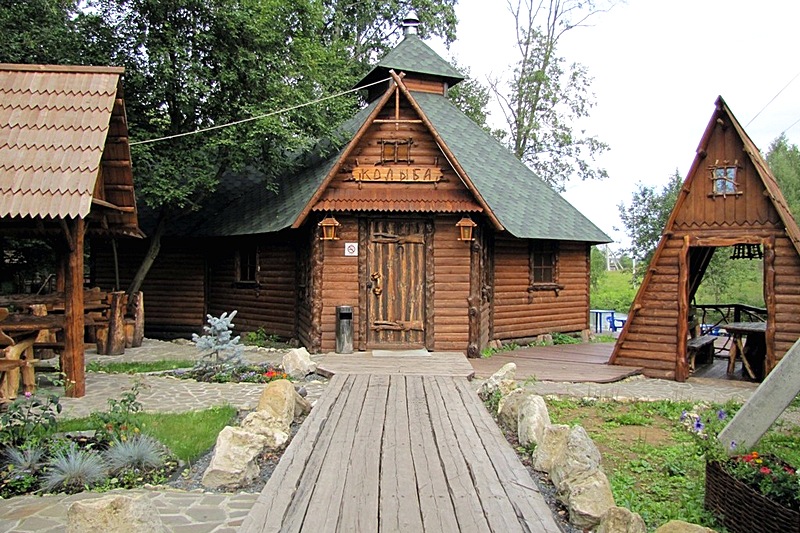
{"x":768,"y":475}
{"x":765,"y":474}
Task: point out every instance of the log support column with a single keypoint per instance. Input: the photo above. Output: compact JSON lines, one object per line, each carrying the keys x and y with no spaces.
{"x":682,"y":365}
{"x":769,"y":301}
{"x":72,"y":358}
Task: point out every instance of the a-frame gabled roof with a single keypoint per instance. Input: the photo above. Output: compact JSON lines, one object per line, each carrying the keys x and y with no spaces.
{"x":64,"y":145}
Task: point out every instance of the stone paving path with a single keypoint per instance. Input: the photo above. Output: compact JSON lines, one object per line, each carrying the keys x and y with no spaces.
{"x":190,"y":512}
{"x":201,"y":512}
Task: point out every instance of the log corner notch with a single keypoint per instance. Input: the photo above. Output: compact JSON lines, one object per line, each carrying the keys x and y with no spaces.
{"x":72,"y":358}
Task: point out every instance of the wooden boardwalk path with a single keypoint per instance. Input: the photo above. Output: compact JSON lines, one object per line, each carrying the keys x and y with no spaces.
{"x":586,"y":362}
{"x":386,"y":452}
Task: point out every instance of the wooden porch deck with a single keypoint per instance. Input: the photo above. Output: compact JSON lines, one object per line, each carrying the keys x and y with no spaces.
{"x":399,"y":453}
{"x":586,"y":362}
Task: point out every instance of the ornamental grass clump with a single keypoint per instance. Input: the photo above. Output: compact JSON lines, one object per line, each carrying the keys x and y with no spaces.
{"x":140,"y":454}
{"x":73,"y":470}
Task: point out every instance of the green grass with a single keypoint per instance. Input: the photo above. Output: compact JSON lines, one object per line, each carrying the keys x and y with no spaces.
{"x":134,"y":367}
{"x":187,"y":435}
{"x":653,"y":464}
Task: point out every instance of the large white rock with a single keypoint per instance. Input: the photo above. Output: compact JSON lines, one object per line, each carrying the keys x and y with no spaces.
{"x":580,"y":456}
{"x":118,"y":513}
{"x":507,"y":372}
{"x":508,"y":408}
{"x":551,"y":448}
{"x":297,"y":363}
{"x":621,"y":520}
{"x":265,"y":424}
{"x":588,"y":498}
{"x":679,"y":526}
{"x":283,"y":402}
{"x":532,"y":420}
{"x":234,"y":461}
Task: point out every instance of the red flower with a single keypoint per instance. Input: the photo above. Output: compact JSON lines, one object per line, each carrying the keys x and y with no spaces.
{"x":765,"y":470}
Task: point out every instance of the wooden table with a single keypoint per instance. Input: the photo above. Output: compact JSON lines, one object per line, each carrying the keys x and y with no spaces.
{"x":753,"y":351}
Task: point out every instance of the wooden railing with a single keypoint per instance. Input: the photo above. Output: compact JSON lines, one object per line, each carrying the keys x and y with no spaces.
{"x":716,"y":315}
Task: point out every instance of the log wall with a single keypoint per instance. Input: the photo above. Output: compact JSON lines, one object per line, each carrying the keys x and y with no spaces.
{"x":271,"y":303}
{"x":339,"y":282}
{"x":174,"y":290}
{"x":451,"y":259}
{"x":787,"y":295}
{"x":519,"y":313}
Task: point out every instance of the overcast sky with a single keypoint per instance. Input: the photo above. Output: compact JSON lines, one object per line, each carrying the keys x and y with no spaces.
{"x":658,"y":67}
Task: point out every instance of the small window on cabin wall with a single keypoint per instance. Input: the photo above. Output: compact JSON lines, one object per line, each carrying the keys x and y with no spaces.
{"x":544,"y":265}
{"x":396,"y":151}
{"x":246,"y":264}
{"x":724,"y":179}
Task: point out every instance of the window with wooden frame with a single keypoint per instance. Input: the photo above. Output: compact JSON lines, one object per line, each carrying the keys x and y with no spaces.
{"x":247,"y":264}
{"x":396,"y":151}
{"x":544,"y":266}
{"x":723,"y":179}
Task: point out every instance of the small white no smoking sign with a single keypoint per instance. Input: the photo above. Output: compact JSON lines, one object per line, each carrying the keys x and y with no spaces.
{"x":351,"y":249}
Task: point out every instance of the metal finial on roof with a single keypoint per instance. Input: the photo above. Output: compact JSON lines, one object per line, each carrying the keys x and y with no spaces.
{"x":410,"y":23}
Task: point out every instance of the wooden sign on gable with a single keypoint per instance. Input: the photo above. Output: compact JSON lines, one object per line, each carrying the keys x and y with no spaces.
{"x":406,"y":174}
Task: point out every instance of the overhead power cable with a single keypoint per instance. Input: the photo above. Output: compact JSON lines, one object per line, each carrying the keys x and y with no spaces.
{"x":265,"y":115}
{"x":773,"y":99}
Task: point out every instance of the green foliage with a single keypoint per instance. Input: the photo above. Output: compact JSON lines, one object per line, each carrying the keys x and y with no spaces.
{"x":119,"y":421}
{"x":597,"y":272}
{"x":472,"y":98}
{"x":73,"y":470}
{"x":727,"y":280}
{"x":261,"y":338}
{"x":563,"y":338}
{"x":646,"y":217}
{"x":29,"y":419}
{"x":616,"y":291}
{"x":784,"y":162}
{"x":493,"y":401}
{"x":137,"y":367}
{"x":489,"y":351}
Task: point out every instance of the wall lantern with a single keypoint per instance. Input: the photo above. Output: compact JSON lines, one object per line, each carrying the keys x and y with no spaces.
{"x":465,"y":227}
{"x":329,"y":227}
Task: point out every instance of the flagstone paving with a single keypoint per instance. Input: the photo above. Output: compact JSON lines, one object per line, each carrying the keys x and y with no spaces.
{"x":200,"y":512}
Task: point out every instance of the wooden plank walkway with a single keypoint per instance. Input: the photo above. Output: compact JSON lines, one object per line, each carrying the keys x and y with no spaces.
{"x":399,"y":453}
{"x":436,"y":364}
{"x":586,"y":362}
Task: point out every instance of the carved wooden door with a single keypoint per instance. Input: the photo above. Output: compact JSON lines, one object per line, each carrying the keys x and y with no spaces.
{"x":396,"y":283}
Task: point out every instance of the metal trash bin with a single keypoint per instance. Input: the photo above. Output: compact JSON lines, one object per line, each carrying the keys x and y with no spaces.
{"x":344,"y":329}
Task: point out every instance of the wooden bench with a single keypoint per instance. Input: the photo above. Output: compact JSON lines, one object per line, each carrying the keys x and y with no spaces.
{"x":702,"y":346}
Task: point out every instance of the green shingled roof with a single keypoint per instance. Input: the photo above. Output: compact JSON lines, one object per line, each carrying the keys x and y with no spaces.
{"x":412,"y":55}
{"x":259,"y":210}
{"x":521,"y":201}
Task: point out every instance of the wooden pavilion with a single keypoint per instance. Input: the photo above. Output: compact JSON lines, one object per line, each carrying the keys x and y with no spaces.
{"x":729,"y":198}
{"x":430,"y":229}
{"x":65,"y":170}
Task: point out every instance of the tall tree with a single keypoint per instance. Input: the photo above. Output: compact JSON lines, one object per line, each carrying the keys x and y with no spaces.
{"x":369,"y":29}
{"x":646,"y":217}
{"x":194,"y":64}
{"x":472,"y":98}
{"x":784,"y":161}
{"x":545,"y":96}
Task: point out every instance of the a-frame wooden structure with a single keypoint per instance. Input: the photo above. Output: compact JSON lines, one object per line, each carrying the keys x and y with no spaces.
{"x":729,"y":197}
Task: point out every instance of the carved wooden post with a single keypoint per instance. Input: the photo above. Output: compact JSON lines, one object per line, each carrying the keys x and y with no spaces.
{"x":317,"y":255}
{"x":769,"y":300}
{"x":72,"y":358}
{"x":114,"y":342}
{"x":430,"y":278}
{"x":682,"y":366}
{"x":138,"y":320}
{"x":474,"y":299}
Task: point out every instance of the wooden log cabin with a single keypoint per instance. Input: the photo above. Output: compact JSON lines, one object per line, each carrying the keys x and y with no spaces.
{"x":443,"y":239}
{"x":729,"y":198}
